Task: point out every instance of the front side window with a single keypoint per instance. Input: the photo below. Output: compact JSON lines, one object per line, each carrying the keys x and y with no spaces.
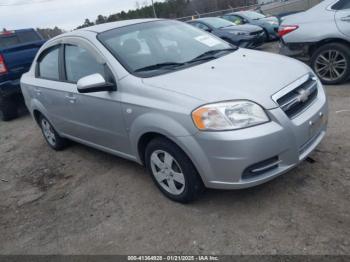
{"x":48,"y":64}
{"x":79,"y":63}
{"x":341,"y":5}
{"x":158,"y":43}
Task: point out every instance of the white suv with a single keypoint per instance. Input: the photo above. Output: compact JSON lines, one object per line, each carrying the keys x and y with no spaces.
{"x":320,"y":35}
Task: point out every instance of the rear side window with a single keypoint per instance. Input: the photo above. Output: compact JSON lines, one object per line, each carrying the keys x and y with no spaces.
{"x":341,"y":5}
{"x":80,"y":63}
{"x":28,"y":36}
{"x":48,"y":64}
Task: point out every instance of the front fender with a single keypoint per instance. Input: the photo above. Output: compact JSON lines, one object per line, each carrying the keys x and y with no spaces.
{"x":155,"y":123}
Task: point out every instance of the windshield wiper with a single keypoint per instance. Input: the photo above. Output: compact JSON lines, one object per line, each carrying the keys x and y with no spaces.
{"x":211,"y":54}
{"x":165,"y":65}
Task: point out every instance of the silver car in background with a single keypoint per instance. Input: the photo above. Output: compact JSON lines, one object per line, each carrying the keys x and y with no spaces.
{"x":196,"y":111}
{"x":321,"y":36}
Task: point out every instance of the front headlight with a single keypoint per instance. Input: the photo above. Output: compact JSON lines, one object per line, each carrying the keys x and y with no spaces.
{"x":240,"y":33}
{"x":229,"y":116}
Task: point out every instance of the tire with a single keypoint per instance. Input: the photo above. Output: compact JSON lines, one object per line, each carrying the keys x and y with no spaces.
{"x":51,"y":136}
{"x":8,"y":109}
{"x":180,"y":174}
{"x":327,"y":58}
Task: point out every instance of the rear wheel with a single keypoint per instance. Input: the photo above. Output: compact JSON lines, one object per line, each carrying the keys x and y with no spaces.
{"x":51,"y":136}
{"x":8,"y":109}
{"x":331,"y":63}
{"x":172,"y":171}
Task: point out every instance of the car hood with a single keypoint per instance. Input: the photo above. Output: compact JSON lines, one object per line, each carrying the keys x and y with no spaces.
{"x":245,"y":28}
{"x":243,"y":74}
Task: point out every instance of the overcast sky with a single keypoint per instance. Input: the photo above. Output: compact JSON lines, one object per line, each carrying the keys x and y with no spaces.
{"x":66,"y":14}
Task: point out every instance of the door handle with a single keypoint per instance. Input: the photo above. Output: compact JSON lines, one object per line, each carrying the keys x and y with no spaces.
{"x":71,"y":98}
{"x":37,"y":91}
{"x":345,"y":19}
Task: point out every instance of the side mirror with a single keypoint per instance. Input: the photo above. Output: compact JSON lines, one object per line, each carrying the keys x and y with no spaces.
{"x":94,"y":83}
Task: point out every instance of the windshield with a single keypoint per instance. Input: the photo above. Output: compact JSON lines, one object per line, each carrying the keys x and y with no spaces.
{"x":254,"y":15}
{"x":158,"y":45}
{"x":217,"y":22}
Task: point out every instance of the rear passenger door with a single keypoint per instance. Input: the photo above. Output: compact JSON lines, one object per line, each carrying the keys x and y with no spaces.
{"x":95,"y":118}
{"x":49,"y":90}
{"x":342,"y":16}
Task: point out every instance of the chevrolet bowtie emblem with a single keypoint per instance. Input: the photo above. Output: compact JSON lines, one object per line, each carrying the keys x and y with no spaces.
{"x":303,"y":95}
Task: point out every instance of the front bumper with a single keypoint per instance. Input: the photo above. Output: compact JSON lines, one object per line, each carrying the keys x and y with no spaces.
{"x":253,"y":41}
{"x":223,"y":158}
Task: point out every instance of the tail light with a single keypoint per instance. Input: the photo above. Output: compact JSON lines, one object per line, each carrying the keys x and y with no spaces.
{"x":3,"y":68}
{"x":286,"y":29}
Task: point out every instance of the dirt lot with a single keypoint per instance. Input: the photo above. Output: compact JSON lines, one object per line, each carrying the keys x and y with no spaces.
{"x":82,"y":201}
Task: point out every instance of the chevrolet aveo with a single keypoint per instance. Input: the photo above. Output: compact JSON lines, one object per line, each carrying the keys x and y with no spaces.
{"x":195,"y":110}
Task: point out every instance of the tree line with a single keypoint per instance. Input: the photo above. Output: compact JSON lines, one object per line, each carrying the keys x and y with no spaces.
{"x":169,"y":9}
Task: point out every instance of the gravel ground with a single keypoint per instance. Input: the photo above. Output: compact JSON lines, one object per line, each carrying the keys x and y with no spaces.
{"x":82,"y":201}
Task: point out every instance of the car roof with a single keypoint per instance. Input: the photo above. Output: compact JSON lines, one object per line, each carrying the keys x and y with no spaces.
{"x":109,"y":26}
{"x":242,"y":12}
{"x":206,"y":19}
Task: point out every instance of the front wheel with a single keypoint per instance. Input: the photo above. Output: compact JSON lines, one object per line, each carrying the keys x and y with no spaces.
{"x":172,"y":171}
{"x":331,"y":63}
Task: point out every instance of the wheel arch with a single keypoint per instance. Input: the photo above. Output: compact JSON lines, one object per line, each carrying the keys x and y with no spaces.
{"x":36,"y":115}
{"x":323,"y":42}
{"x":147,"y":137}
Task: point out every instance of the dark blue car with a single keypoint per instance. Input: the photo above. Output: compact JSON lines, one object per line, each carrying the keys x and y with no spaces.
{"x":17,"y":51}
{"x":248,"y":36}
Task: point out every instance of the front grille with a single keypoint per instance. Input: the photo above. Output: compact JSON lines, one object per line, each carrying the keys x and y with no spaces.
{"x":257,"y":32}
{"x":298,"y":99}
{"x":261,"y":168}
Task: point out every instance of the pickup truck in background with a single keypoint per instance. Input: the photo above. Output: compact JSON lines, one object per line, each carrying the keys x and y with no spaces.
{"x":17,"y":51}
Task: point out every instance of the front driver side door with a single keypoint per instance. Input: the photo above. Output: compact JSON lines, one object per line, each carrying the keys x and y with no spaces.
{"x":96,"y":118}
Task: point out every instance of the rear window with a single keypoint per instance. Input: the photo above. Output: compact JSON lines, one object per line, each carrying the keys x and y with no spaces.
{"x":8,"y":40}
{"x":12,"y":39}
{"x":28,"y":36}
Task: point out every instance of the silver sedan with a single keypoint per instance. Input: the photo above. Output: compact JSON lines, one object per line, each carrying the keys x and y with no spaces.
{"x":196,"y":111}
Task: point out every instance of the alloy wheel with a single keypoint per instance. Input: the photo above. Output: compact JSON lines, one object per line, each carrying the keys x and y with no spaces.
{"x":167,"y":172}
{"x":48,"y":132}
{"x":331,"y":65}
